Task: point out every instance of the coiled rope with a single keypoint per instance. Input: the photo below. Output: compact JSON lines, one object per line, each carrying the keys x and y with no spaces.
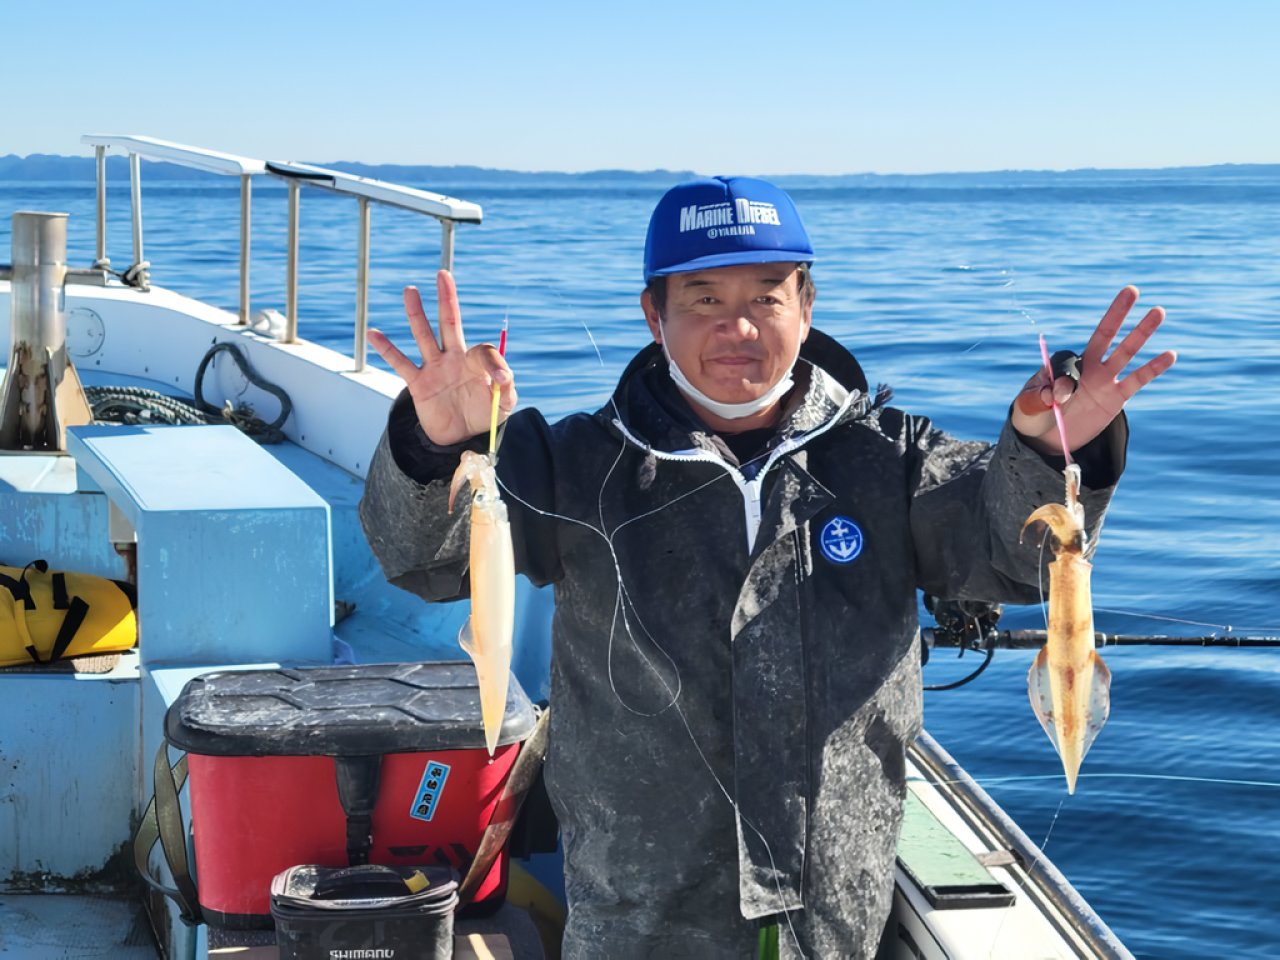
{"x":138,"y":405}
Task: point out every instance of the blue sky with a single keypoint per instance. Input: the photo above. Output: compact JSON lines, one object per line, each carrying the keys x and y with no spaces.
{"x":747,"y":87}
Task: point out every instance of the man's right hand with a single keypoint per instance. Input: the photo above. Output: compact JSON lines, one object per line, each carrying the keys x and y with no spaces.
{"x":452,"y":390}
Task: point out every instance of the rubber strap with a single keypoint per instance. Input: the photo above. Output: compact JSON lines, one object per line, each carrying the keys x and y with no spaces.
{"x":77,"y":610}
{"x":24,"y":632}
{"x":60,"y":599}
{"x":18,"y":588}
{"x":357,"y":780}
{"x":162,"y":821}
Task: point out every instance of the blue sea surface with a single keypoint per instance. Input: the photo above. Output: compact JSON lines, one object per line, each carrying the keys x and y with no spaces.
{"x":940,"y":285}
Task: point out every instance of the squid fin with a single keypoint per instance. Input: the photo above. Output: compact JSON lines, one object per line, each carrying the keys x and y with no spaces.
{"x":466,"y":641}
{"x":493,"y":689}
{"x":1099,"y":701}
{"x":1040,"y":693}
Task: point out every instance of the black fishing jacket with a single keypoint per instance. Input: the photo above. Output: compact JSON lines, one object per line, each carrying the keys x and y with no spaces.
{"x":736,"y":661}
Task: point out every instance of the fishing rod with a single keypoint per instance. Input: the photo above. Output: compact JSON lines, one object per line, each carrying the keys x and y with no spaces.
{"x":971,"y":625}
{"x":1034,"y":639}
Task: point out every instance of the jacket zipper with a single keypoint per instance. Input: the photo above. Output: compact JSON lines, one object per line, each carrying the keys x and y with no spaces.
{"x":751,"y":490}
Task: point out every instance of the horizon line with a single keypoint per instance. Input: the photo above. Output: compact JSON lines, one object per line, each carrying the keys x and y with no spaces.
{"x":115,"y":159}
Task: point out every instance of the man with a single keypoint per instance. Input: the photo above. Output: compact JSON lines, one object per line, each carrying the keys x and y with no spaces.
{"x":736,"y":540}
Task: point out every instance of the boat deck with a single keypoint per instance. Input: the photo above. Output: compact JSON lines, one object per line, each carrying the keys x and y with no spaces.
{"x":74,"y":927}
{"x":56,"y":926}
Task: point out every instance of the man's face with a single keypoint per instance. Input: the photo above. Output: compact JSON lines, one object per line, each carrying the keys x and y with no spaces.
{"x":733,"y":330}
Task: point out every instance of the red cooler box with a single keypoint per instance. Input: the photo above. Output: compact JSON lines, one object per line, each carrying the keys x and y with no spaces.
{"x":337,"y":766}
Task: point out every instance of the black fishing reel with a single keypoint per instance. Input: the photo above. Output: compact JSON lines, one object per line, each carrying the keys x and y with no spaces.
{"x":964,"y":624}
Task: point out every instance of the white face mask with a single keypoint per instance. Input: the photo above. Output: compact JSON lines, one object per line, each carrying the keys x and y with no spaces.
{"x":729,"y":411}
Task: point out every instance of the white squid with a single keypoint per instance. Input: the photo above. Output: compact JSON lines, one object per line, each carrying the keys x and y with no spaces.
{"x":486,"y":636}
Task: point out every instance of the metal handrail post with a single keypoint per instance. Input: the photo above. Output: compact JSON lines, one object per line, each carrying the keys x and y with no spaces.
{"x":100,"y":160}
{"x":446,"y":245}
{"x":361,"y":348}
{"x":135,"y":202}
{"x":246,"y":202}
{"x":291,"y":269}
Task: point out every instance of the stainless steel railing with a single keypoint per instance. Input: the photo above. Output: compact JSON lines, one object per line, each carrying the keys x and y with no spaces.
{"x":447,"y":210}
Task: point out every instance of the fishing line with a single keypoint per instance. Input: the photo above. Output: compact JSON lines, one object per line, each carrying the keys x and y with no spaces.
{"x":981,"y":277}
{"x":586,"y":329}
{"x":625,"y":607}
{"x":1038,"y":857}
{"x":1040,"y":572}
{"x":594,"y":345}
{"x":1170,"y":777}
{"x":1011,"y":285}
{"x":1226,"y":627}
{"x":1052,"y":823}
{"x":621,"y":603}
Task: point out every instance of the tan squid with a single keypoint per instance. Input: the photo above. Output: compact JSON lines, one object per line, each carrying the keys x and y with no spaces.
{"x":1069,"y":685}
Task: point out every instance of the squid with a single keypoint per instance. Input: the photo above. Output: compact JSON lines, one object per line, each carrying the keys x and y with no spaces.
{"x":486,"y":636}
{"x":1068,"y":684}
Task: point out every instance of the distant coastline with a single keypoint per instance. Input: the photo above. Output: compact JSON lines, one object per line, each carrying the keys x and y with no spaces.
{"x":44,"y":166}
{"x":53,"y":167}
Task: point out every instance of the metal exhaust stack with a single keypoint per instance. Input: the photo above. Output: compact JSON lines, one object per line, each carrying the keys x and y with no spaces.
{"x":42,"y":393}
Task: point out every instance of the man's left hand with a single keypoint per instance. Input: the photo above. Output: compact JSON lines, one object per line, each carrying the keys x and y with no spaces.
{"x":1091,"y":404}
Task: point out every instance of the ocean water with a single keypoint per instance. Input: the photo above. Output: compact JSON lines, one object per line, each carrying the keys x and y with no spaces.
{"x":940,"y":285}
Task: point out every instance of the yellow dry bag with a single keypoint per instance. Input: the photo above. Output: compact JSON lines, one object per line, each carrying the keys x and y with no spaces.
{"x":51,"y":615}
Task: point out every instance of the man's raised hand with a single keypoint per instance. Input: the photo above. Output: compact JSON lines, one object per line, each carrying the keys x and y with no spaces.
{"x":1090,"y":405}
{"x":452,"y":389}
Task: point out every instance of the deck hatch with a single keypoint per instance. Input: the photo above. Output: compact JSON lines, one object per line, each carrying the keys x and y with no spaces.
{"x":943,"y":868}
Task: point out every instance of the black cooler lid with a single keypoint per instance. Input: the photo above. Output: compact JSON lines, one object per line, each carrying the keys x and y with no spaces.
{"x":341,"y":711}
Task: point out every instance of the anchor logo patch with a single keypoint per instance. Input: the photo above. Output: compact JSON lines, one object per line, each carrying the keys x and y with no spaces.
{"x":841,"y":540}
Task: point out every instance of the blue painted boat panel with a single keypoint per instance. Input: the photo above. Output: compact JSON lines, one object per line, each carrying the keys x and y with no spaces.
{"x":68,"y":773}
{"x":158,"y":469}
{"x":233,"y":554}
{"x":235,"y":587}
{"x":69,"y":530}
{"x":37,"y":472}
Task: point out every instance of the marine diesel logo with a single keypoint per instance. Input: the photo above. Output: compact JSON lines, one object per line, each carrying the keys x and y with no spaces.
{"x":726,"y":219}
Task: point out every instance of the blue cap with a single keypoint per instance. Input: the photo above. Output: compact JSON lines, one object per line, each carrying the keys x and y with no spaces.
{"x":723,"y":222}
